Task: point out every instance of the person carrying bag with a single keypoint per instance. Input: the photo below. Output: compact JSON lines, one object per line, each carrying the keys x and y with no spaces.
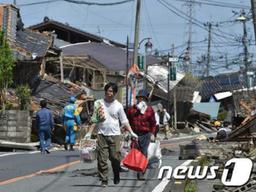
{"x":135,"y":160}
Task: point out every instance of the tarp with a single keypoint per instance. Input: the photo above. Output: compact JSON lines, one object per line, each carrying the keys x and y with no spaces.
{"x":211,"y":109}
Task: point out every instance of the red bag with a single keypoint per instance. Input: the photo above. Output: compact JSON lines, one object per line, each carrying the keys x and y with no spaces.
{"x":135,"y":160}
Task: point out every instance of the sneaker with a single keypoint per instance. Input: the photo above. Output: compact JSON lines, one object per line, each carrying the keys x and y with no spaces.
{"x":140,"y":177}
{"x":104,"y":183}
{"x":71,"y":148}
{"x":47,"y":151}
{"x":124,"y":169}
{"x":116,"y":180}
{"x":66,"y":146}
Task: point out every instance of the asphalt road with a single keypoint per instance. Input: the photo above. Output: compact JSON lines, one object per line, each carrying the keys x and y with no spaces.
{"x":62,"y":171}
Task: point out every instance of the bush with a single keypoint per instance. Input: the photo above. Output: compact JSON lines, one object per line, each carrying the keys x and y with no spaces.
{"x":23,"y":93}
{"x":190,"y":186}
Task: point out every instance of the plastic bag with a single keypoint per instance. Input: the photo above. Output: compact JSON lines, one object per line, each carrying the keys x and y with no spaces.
{"x":88,"y":154}
{"x":98,"y":112}
{"x":87,"y":148}
{"x":154,"y":154}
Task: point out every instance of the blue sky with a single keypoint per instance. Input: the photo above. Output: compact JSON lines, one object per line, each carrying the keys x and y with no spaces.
{"x":157,"y":21}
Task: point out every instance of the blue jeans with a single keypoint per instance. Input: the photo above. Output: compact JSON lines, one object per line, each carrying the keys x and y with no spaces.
{"x":45,"y":139}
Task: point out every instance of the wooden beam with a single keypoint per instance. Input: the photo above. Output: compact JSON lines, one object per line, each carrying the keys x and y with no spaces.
{"x":61,"y":68}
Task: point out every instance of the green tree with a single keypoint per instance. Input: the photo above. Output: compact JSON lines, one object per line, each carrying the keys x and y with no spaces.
{"x":23,"y":93}
{"x":6,"y":68}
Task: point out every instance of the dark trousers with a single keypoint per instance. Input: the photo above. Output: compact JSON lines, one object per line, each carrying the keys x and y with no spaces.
{"x":108,"y":147}
{"x":143,"y":143}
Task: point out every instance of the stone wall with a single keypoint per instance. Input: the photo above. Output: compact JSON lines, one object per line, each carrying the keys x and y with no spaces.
{"x":15,"y":126}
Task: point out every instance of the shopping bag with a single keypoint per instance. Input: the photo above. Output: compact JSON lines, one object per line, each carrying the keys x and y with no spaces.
{"x":135,"y":160}
{"x":154,"y":155}
{"x":87,"y":148}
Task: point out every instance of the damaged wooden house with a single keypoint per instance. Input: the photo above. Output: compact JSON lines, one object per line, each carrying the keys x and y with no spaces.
{"x":30,"y":50}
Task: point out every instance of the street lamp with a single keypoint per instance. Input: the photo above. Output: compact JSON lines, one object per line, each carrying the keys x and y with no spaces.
{"x":148,"y":50}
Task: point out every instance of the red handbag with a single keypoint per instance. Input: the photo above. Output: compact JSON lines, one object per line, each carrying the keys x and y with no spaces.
{"x":135,"y":160}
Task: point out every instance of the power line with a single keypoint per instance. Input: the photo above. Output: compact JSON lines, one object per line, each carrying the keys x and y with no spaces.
{"x":217,"y":4}
{"x":183,"y":15}
{"x":38,"y":3}
{"x":77,"y":2}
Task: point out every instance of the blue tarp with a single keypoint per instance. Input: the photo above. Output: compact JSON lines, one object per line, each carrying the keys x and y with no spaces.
{"x":211,"y":108}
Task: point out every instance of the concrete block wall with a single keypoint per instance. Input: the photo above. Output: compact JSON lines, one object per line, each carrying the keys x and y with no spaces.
{"x":15,"y":126}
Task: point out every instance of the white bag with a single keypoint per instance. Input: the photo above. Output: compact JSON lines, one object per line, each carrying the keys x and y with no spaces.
{"x":154,"y":155}
{"x":87,"y":148}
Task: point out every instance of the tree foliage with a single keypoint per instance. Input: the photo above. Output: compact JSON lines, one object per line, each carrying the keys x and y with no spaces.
{"x":6,"y":67}
{"x":23,"y":93}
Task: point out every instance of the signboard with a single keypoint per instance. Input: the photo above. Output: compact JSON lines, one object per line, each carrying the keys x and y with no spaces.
{"x":122,"y":93}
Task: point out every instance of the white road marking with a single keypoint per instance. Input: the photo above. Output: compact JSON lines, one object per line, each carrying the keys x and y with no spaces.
{"x":18,"y":153}
{"x":161,"y":186}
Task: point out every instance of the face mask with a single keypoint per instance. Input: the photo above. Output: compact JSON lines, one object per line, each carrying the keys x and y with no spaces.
{"x":142,"y":107}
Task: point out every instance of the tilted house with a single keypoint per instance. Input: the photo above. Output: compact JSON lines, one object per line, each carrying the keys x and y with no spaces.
{"x":30,"y":48}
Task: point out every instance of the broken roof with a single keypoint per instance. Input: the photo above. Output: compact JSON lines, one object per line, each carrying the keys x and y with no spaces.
{"x":113,"y":58}
{"x":29,"y":42}
{"x":221,"y":83}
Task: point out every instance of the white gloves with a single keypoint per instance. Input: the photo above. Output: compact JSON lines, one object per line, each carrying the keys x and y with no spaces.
{"x":88,"y":136}
{"x":134,"y":135}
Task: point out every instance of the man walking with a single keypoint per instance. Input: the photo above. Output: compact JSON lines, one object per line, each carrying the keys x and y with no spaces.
{"x":108,"y":112}
{"x":70,"y":119}
{"x":45,"y":125}
{"x":162,"y":120}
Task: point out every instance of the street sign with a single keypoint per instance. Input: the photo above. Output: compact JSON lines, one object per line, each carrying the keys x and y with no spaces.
{"x":173,"y":59}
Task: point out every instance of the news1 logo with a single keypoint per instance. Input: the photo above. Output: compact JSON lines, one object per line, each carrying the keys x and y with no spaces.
{"x":237,"y":172}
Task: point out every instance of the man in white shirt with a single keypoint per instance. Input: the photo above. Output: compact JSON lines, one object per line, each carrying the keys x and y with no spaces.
{"x":162,"y":119}
{"x":108,"y":112}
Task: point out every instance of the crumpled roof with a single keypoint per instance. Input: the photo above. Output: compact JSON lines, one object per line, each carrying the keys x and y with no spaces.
{"x":221,"y":83}
{"x":113,"y":58}
{"x":28,"y":42}
{"x":56,"y":94}
{"x":159,"y":74}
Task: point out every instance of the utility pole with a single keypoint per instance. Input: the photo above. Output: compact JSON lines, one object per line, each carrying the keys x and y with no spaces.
{"x":127,"y":68}
{"x":226,"y":60}
{"x":136,"y":34}
{"x":246,"y":64}
{"x":243,"y":18}
{"x":168,"y":84}
{"x":174,"y":93}
{"x":253,"y":4}
{"x":187,"y":57}
{"x":209,"y":25}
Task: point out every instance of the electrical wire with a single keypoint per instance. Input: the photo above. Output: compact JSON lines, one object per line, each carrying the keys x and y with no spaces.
{"x":77,"y":2}
{"x":151,"y":26}
{"x":217,"y":4}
